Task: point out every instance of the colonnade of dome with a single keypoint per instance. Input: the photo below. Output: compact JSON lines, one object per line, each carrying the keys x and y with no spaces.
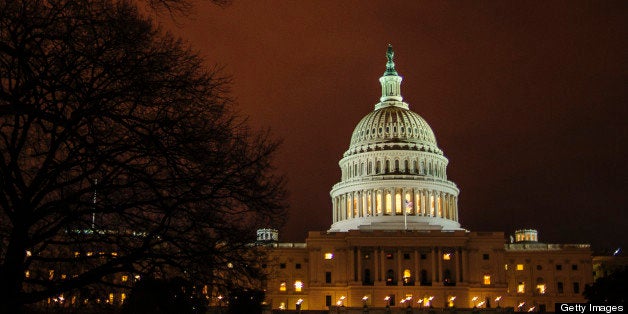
{"x":394,"y":176}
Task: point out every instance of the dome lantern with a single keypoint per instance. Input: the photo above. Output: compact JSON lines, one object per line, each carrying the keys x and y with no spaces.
{"x":391,"y":84}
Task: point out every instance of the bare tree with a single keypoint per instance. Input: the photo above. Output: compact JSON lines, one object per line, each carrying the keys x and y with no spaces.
{"x":120,"y":153}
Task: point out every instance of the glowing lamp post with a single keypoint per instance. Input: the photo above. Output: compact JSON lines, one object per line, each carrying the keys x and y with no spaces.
{"x":420,"y":302}
{"x":520,"y":306}
{"x":499,"y":298}
{"x":298,"y":305}
{"x":451,"y":301}
{"x":474,"y":300}
{"x":429,"y":301}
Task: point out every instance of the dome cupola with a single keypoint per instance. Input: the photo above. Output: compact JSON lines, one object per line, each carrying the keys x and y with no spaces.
{"x":394,"y":173}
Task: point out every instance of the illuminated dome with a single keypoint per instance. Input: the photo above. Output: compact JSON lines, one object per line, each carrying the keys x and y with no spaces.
{"x":393,"y":174}
{"x":392,"y":127}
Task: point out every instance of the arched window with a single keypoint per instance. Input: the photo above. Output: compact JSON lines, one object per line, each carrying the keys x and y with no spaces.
{"x":378,"y":166}
{"x":390,"y":278}
{"x":447,"y":281}
{"x":396,"y":166}
{"x":424,"y":279}
{"x":367,"y":277}
{"x":406,"y":166}
{"x":407,"y":278}
{"x":387,"y":166}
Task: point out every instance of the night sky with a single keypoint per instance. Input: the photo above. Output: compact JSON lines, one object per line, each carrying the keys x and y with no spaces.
{"x":528,"y":100}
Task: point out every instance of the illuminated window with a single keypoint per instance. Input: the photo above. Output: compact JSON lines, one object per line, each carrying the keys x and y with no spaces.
{"x":282,"y":286}
{"x":28,"y":253}
{"x":447,"y":256}
{"x":505,"y":266}
{"x":27,"y":274}
{"x":51,"y":274}
{"x":114,"y":254}
{"x":77,"y":254}
{"x":122,"y":297}
{"x":540,"y":288}
{"x":521,"y":287}
{"x":329,"y":255}
{"x":111,"y":298}
{"x":298,"y":285}
{"x":487,"y":279}
{"x":90,"y":253}
{"x":519,"y":266}
{"x":63,"y":276}
{"x":124,"y":278}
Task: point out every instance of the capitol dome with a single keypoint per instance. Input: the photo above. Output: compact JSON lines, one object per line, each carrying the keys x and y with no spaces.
{"x":394,"y":174}
{"x":392,"y":127}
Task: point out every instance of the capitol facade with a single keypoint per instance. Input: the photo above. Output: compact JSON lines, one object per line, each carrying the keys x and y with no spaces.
{"x":396,"y":241}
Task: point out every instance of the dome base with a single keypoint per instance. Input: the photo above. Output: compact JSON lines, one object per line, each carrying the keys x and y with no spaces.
{"x":394,"y":223}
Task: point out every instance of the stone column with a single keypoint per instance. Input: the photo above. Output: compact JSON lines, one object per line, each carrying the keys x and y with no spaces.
{"x":376,"y":277}
{"x":393,"y":194}
{"x":382,"y":270}
{"x":417,"y":267}
{"x":465,"y":261}
{"x":458,"y":277}
{"x":359,"y":257}
{"x":439,"y":258}
{"x":434,"y":278}
{"x":399,"y":270}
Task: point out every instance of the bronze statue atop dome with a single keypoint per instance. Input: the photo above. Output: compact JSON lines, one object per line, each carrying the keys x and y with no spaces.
{"x":390,"y":64}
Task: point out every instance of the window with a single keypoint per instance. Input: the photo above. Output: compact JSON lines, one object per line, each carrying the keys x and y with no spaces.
{"x":389,"y":256}
{"x":297,"y":265}
{"x":539,"y":267}
{"x":406,"y":255}
{"x":298,"y":285}
{"x":576,"y":287}
{"x":124,"y":278}
{"x":329,"y":255}
{"x":390,"y":278}
{"x":521,"y":287}
{"x":559,"y":287}
{"x":485,"y":257}
{"x":264,"y":265}
{"x":447,"y":256}
{"x":505,"y":266}
{"x":327,"y":277}
{"x":327,"y":300}
{"x":367,"y":256}
{"x":282,"y":286}
{"x":423,"y":256}
{"x":519,"y":266}
{"x":540,"y":288}
{"x":282,"y":265}
{"x":559,"y":267}
{"x":574,"y":267}
{"x":487,"y":279}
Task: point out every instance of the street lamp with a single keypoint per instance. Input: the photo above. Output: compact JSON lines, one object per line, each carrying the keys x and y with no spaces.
{"x":451,"y":301}
{"x":474,"y":299}
{"x":429,"y":301}
{"x":520,"y":306}
{"x":387,"y":299}
{"x":298,"y":305}
{"x":497,"y":300}
{"x":339,"y":303}
{"x":420,"y":302}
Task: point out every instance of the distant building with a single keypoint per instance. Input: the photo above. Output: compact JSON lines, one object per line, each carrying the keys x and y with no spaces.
{"x":395,"y":238}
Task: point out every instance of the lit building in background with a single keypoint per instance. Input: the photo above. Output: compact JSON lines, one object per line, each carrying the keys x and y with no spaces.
{"x":395,"y":238}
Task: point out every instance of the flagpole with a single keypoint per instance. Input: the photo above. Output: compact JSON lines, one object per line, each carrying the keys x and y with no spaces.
{"x":405,"y":217}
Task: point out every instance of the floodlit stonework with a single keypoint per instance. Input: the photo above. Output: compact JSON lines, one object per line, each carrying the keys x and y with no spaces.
{"x":395,"y":238}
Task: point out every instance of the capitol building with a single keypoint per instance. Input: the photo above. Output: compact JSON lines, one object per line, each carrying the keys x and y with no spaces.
{"x":396,"y":240}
